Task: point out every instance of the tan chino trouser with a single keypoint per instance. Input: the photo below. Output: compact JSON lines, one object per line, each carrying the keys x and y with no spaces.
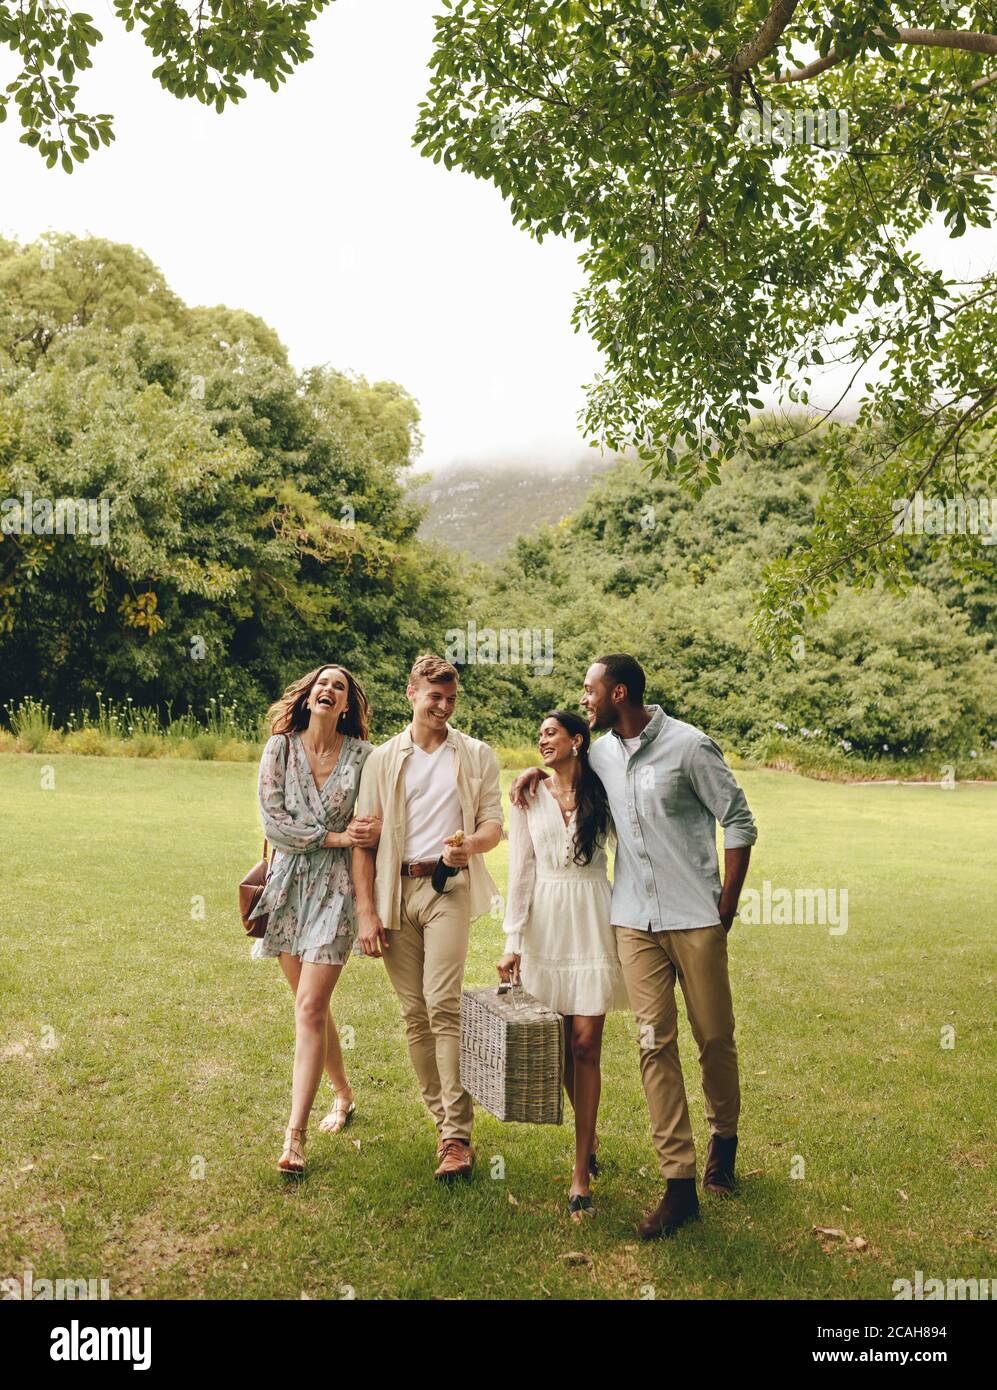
{"x":425,"y":964}
{"x":651,"y":963}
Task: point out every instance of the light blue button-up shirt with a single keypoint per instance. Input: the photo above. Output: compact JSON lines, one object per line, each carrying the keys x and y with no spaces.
{"x":665,"y":802}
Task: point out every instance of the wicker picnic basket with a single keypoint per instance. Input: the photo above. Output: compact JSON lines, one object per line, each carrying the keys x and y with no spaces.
{"x":512,"y":1054}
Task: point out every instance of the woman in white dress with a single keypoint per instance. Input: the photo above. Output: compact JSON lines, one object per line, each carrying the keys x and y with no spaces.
{"x":560,"y":942}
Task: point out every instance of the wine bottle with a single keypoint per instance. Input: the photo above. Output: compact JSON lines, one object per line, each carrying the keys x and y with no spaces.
{"x":443,"y":870}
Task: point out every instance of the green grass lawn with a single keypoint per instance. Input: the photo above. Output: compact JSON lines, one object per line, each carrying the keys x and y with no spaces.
{"x":145,"y":1068}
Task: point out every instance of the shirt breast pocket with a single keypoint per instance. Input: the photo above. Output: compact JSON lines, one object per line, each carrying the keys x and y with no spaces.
{"x":661,"y":793}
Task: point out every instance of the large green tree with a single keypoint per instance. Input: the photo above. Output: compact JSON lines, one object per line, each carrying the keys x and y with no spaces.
{"x":258,"y":519}
{"x":747,"y":180}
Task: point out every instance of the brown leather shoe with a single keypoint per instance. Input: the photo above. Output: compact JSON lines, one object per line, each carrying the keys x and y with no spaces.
{"x":718,"y":1176}
{"x":456,"y":1160}
{"x":679,"y":1205}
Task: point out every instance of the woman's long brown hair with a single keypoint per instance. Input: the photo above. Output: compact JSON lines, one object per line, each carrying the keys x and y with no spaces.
{"x":289,"y":713}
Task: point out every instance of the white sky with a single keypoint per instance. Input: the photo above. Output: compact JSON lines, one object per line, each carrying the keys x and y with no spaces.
{"x":311,"y":208}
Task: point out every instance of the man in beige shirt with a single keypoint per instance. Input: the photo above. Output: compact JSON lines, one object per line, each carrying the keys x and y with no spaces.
{"x":427,"y":783}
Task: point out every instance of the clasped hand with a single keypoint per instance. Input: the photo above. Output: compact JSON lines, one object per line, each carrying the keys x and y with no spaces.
{"x":364,"y":832}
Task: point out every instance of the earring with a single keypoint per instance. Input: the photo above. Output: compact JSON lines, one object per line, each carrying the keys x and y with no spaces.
{"x":574,"y":752}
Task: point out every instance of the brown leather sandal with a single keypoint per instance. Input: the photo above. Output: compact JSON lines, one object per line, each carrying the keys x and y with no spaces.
{"x":339,"y":1116}
{"x":292,"y":1160}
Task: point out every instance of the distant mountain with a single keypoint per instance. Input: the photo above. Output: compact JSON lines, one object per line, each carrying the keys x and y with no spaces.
{"x":481,"y":509}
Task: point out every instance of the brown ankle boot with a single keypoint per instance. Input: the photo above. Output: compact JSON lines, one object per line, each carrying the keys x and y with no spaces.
{"x":718,"y":1176}
{"x":679,"y":1205}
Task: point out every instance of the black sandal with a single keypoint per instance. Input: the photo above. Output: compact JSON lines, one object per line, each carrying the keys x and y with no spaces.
{"x":579,"y":1204}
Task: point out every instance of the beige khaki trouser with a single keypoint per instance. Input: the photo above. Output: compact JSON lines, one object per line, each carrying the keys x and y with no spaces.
{"x":425,"y":964}
{"x":651,"y":963}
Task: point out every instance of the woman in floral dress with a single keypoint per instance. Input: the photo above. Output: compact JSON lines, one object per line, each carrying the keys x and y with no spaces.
{"x":309,"y":777}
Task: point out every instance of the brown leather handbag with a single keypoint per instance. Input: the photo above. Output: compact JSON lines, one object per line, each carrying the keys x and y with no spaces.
{"x":252,"y":886}
{"x":250,"y":891}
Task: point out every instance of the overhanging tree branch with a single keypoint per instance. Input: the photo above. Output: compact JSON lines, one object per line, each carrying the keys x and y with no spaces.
{"x":945,"y":38}
{"x":767,"y":37}
{"x":751,"y":53}
{"x":813,"y":69}
{"x":982,"y":82}
{"x":929,"y":38}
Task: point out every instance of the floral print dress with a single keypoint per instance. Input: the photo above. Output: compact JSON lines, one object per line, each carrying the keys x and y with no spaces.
{"x":309,"y":893}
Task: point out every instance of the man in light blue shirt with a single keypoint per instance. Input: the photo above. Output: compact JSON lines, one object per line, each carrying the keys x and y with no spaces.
{"x":668,"y":785}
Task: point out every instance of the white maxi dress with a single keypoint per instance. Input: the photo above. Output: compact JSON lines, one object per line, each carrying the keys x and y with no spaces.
{"x":558,"y":914}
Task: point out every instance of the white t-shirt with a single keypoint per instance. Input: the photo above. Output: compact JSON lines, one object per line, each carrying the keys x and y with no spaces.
{"x":631,"y":745}
{"x":432,"y":805}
